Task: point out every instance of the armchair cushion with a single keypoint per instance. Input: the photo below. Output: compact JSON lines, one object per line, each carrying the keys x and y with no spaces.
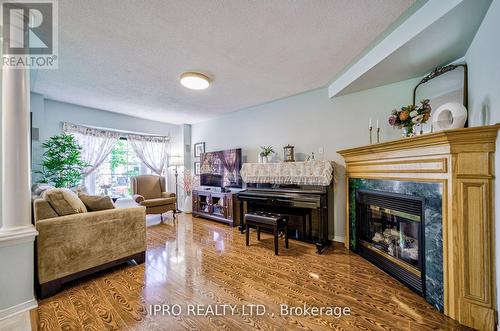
{"x":64,"y":201}
{"x":167,"y":195}
{"x":96,"y":202}
{"x":158,"y":202}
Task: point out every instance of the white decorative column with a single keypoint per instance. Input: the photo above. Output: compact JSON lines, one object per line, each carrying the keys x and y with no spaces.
{"x":16,"y":212}
{"x":17,"y":233}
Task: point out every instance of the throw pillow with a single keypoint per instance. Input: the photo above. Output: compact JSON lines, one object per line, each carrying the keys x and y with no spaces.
{"x":64,"y":201}
{"x":96,"y":202}
{"x":38,"y":188}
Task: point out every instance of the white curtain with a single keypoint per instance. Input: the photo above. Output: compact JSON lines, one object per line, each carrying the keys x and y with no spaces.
{"x":96,"y":144}
{"x":151,"y":150}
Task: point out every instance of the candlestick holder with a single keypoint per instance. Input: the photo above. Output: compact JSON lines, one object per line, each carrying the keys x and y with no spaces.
{"x":378,"y":135}
{"x":371,"y":140}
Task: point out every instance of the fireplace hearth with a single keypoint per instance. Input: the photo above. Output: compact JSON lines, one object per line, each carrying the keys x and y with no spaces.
{"x":391,"y":234}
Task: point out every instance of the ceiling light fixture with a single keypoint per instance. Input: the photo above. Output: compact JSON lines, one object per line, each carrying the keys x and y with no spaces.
{"x":194,"y":80}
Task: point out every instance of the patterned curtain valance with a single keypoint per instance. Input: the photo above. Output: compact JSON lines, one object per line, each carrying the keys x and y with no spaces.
{"x":85,"y":130}
{"x":303,"y":173}
{"x":154,"y":139}
{"x":69,"y":128}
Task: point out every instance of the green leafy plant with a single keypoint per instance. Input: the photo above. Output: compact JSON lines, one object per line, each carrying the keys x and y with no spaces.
{"x":266,"y":150}
{"x":62,"y":165}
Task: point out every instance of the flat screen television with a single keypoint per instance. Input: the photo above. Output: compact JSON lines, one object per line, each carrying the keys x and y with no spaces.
{"x":221,"y":168}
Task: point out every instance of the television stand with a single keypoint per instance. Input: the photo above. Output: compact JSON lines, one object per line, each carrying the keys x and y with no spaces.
{"x":216,"y":205}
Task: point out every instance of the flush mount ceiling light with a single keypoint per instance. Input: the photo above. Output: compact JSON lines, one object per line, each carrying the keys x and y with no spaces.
{"x":194,"y":80}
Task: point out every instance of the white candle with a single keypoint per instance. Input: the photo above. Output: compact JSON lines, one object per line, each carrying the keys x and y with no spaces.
{"x":370,"y":123}
{"x":377,"y":124}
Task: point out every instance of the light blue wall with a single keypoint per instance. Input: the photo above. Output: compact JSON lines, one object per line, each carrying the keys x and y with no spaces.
{"x":309,"y":121}
{"x":48,"y":116}
{"x":484,"y":96}
{"x":484,"y":70}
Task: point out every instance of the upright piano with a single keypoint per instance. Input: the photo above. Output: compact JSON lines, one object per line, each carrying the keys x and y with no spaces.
{"x":307,"y":201}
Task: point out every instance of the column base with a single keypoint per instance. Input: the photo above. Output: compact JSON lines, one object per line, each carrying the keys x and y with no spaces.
{"x":17,"y":235}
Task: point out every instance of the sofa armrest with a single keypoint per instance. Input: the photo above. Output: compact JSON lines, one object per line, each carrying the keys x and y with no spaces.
{"x":73,"y":243}
{"x":138,"y":198}
{"x":167,"y":195}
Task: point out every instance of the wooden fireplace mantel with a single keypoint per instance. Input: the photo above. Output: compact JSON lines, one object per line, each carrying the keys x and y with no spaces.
{"x":463,"y":161}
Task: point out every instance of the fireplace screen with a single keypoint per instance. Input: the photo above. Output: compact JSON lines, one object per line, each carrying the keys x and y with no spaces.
{"x":390,"y":234}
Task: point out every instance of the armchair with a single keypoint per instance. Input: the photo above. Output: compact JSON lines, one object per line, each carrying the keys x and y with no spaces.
{"x":149,"y":191}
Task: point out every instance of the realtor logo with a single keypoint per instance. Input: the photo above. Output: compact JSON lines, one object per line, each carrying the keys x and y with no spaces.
{"x":29,"y":32}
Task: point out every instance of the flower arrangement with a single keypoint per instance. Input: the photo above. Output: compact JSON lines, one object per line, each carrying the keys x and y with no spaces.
{"x":409,"y":116}
{"x":188,"y":182}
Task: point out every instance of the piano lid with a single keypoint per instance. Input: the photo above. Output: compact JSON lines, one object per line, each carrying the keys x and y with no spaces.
{"x":301,"y":173}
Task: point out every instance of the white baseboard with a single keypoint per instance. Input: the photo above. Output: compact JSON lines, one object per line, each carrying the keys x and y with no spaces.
{"x":340,"y":239}
{"x":17,"y":309}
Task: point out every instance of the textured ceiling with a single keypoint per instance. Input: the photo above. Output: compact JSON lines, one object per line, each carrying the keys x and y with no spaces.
{"x":126,"y":55}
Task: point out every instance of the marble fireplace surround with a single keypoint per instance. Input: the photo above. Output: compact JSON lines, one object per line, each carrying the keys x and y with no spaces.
{"x":433,"y":246}
{"x":457,"y":167}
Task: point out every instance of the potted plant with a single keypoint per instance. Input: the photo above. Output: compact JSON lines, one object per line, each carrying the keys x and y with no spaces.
{"x":409,"y":116}
{"x":62,"y":164}
{"x":188,"y":182}
{"x":265,"y":153}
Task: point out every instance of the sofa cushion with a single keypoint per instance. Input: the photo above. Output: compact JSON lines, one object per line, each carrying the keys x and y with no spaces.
{"x":64,"y":201}
{"x":158,"y":202}
{"x":96,"y":202}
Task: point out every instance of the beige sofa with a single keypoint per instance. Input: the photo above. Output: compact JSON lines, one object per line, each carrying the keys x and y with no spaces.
{"x":73,"y":246}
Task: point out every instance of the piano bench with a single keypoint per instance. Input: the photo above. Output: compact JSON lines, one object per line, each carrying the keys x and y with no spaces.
{"x":272,"y":221}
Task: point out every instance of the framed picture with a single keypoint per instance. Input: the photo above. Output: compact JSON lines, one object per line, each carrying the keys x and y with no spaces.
{"x":198,"y":149}
{"x":197,"y":168}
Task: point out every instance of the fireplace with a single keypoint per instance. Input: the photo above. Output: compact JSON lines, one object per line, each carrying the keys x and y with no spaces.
{"x":391,"y":234}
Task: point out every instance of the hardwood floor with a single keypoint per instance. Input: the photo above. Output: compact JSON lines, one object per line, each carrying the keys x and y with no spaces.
{"x":201,"y":262}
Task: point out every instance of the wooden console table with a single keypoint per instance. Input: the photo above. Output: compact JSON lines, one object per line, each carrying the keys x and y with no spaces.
{"x":463,"y":161}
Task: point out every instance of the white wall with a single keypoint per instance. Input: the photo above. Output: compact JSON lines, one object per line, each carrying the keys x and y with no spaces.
{"x":484,"y":96}
{"x":309,"y":121}
{"x":48,"y":116}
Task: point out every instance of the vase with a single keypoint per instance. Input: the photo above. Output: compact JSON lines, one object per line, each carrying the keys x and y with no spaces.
{"x":188,"y":204}
{"x":265,"y":159}
{"x":408,"y":131}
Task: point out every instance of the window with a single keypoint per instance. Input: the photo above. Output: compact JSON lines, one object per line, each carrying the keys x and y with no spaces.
{"x":113,"y":175}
